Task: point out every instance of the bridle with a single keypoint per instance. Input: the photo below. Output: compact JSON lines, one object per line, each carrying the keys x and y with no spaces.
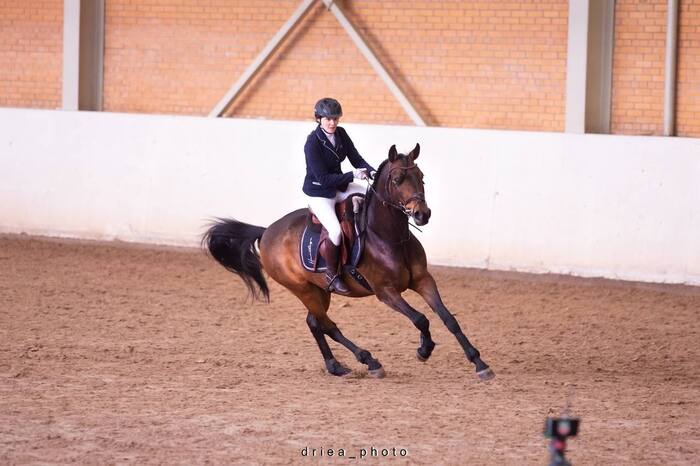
{"x":401,"y":206}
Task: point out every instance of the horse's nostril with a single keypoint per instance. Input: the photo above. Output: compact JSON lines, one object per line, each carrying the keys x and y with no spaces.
{"x":422,"y":217}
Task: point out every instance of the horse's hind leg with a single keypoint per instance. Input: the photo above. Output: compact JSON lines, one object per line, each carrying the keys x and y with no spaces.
{"x":374,"y":367}
{"x":317,"y":301}
{"x":332,"y":365}
{"x":426,"y":287}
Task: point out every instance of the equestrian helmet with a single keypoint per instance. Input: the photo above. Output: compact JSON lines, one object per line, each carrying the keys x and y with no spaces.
{"x":327,"y":107}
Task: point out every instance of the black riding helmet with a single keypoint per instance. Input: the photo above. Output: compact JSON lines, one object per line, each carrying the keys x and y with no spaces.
{"x":327,"y":107}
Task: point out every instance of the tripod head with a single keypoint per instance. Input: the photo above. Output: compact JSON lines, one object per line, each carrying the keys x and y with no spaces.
{"x":558,"y":429}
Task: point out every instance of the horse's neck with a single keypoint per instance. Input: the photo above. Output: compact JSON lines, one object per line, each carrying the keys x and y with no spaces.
{"x":387,"y":222}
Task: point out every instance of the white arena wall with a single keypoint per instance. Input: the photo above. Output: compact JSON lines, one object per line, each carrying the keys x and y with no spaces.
{"x":623,"y":207}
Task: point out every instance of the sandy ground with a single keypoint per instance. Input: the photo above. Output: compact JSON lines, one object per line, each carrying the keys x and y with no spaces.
{"x":116,"y":353}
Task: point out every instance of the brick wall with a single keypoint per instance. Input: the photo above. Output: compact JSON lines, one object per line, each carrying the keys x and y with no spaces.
{"x":688,"y":91}
{"x":483,"y":64}
{"x":169,"y":56}
{"x":31,"y":44}
{"x":477,"y":64}
{"x":638,"y":67}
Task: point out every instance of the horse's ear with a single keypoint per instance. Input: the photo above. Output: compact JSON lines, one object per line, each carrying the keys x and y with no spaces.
{"x":414,"y":153}
{"x":393,"y":155}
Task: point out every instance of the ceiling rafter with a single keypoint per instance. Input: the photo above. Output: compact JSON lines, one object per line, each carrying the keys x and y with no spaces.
{"x":276,"y":41}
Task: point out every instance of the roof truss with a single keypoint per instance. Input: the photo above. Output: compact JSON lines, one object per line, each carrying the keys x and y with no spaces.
{"x":278,"y":39}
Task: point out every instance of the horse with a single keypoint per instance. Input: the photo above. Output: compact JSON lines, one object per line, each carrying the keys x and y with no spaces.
{"x":392,"y":262}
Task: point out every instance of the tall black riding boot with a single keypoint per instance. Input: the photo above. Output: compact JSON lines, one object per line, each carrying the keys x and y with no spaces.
{"x":331,"y":254}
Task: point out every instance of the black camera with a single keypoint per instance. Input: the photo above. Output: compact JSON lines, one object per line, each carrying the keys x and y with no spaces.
{"x":562,"y":427}
{"x":558,"y":430}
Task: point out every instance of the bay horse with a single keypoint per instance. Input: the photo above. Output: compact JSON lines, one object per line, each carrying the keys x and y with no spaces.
{"x":393,"y":261}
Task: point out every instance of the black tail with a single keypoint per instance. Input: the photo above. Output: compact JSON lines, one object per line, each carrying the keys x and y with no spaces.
{"x":232,"y":244}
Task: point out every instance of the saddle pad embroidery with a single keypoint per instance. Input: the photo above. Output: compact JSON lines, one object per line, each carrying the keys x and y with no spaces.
{"x":310,"y":258}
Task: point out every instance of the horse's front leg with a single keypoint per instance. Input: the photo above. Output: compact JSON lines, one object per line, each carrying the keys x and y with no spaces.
{"x":393,"y":299}
{"x":426,"y":287}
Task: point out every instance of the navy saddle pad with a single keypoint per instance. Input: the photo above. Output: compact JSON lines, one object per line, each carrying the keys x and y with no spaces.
{"x":312,"y":260}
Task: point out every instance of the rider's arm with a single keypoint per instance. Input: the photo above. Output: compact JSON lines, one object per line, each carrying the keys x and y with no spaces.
{"x":355,"y":158}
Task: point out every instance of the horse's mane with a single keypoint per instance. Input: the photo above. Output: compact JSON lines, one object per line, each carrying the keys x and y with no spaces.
{"x":370,"y":195}
{"x":371,"y":192}
{"x":379,"y":171}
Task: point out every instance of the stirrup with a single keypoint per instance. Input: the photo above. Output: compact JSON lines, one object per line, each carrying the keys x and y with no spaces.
{"x":333,"y":284}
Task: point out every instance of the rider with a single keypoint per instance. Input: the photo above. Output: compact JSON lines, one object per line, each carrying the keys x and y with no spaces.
{"x":325,"y":183}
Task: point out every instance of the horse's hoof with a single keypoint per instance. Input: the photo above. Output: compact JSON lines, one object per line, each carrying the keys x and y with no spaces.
{"x":333,"y":367}
{"x":486,"y":374}
{"x":425,"y":349}
{"x":377,"y":373}
{"x":340,"y":372}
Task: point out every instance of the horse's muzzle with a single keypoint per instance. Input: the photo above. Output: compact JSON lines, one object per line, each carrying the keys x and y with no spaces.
{"x":421,"y":216}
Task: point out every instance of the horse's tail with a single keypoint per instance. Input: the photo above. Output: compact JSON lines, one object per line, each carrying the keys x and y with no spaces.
{"x":232,"y":244}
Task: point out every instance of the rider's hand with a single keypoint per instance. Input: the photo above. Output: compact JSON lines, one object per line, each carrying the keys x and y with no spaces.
{"x":360,"y":173}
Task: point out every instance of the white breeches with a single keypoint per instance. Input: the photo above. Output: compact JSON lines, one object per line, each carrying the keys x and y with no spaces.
{"x":324,"y":208}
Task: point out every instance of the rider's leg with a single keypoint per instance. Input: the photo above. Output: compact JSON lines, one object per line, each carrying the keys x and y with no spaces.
{"x":325,"y":212}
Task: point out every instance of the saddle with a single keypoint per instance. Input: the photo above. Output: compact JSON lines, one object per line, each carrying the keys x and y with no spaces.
{"x":351,"y":245}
